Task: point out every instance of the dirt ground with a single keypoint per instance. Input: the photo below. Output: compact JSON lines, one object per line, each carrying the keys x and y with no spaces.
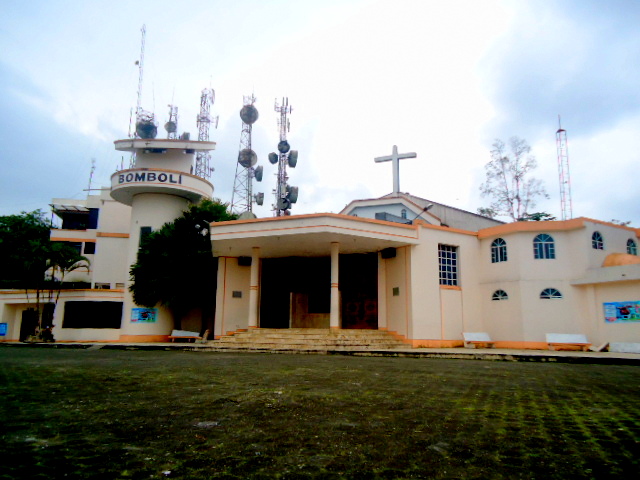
{"x":104,"y":414}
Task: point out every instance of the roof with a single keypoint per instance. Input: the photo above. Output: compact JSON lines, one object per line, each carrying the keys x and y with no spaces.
{"x":59,"y":208}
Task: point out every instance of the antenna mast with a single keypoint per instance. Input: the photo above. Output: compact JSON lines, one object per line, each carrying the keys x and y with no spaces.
{"x":285,"y":195}
{"x":203,"y":159}
{"x":93,"y":169}
{"x":242,"y":198}
{"x":140,"y":72}
{"x":563,"y":173}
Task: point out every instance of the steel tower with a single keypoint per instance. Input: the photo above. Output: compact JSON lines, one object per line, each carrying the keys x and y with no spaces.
{"x":563,"y":173}
{"x":285,"y":195}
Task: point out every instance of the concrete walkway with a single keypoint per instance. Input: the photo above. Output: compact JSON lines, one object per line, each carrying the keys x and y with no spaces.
{"x":494,"y":354}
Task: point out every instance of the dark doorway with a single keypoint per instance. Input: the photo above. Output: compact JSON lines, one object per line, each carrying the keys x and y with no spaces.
{"x":29,"y":320}
{"x":359,"y":290}
{"x":292,"y":282}
{"x":282,"y":277}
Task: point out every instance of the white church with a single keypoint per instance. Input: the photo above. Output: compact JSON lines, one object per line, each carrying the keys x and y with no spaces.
{"x":424,"y":272}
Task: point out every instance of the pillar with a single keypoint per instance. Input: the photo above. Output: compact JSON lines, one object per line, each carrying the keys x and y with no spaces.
{"x":334,"y":315}
{"x":253,"y":287}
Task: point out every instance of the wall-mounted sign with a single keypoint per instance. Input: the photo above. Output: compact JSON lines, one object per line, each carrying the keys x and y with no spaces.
{"x":3,"y":329}
{"x":144,"y":315}
{"x":620,"y":312}
{"x":160,"y":177}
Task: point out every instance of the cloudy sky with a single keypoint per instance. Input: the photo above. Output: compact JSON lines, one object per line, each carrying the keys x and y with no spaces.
{"x":442,"y":79}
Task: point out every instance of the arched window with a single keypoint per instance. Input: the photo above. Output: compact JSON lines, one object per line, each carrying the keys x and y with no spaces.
{"x":498,"y":250}
{"x":499,"y":295}
{"x":403,"y":213}
{"x":549,"y":293}
{"x":544,"y":246}
{"x":597,"y":242}
{"x":632,"y":247}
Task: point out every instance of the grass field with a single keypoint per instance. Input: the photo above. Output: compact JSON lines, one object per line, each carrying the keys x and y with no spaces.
{"x":98,"y":414}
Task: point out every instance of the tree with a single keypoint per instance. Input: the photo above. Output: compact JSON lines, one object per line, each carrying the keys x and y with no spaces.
{"x":508,"y":179}
{"x":175,"y":267}
{"x":32,"y":262}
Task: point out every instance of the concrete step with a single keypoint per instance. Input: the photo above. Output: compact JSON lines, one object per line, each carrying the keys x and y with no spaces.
{"x":308,"y":339}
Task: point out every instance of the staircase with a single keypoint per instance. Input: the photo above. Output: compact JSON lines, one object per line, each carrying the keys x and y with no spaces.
{"x":308,"y":339}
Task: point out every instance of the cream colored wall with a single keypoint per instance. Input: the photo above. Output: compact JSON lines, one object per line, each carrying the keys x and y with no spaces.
{"x":109,"y":264}
{"x":12,"y":315}
{"x":501,"y":318}
{"x":114,"y":217}
{"x":232,"y":313}
{"x":170,"y":160}
{"x":440,"y":313}
{"x":397,"y":312}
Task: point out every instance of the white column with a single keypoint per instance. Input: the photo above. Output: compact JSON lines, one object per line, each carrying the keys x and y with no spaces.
{"x":334,"y":315}
{"x":253,"y":288}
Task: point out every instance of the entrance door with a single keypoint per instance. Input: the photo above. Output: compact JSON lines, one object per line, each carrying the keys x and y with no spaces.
{"x":359,"y":290}
{"x":291,"y":284}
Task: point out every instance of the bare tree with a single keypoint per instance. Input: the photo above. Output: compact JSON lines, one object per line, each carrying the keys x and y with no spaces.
{"x":508,"y":182}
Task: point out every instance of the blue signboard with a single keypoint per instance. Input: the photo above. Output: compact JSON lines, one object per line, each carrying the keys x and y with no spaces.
{"x":3,"y":329}
{"x":144,"y":315}
{"x":620,"y":312}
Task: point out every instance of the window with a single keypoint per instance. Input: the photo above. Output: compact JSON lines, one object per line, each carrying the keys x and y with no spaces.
{"x":448,"y":261}
{"x":498,"y":250}
{"x":549,"y":293}
{"x":144,"y":233}
{"x":89,"y":248}
{"x":499,"y":295}
{"x":597,"y":242}
{"x":632,"y":247}
{"x":543,"y":246}
{"x":403,"y":213}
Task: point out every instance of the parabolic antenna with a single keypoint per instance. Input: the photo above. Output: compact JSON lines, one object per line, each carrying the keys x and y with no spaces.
{"x":258,"y":173}
{"x":247,"y":158}
{"x":292,"y":194}
{"x":249,"y":114}
{"x":146,"y":129}
{"x":273,"y":158}
{"x":247,"y":216}
{"x":171,"y":127}
{"x":259,"y":198}
{"x":283,"y":204}
{"x":283,"y":146}
{"x":293,"y":158}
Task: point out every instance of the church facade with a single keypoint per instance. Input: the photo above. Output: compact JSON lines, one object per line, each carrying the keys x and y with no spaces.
{"x":426,"y":281}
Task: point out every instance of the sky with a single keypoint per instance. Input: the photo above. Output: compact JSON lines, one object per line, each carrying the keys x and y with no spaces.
{"x":442,"y":79}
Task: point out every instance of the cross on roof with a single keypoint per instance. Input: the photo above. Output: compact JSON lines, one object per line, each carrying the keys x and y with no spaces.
{"x":395,"y":165}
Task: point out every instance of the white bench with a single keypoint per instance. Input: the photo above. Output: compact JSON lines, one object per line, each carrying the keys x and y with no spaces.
{"x":567,"y":340}
{"x":184,"y":334}
{"x":473,"y":339}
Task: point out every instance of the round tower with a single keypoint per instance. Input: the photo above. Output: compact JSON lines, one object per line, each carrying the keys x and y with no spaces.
{"x":159,"y":189}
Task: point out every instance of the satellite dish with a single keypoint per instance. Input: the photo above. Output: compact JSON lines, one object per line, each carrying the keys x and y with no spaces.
{"x":247,"y":215}
{"x":259,"y":198}
{"x":283,"y":204}
{"x":293,"y":158}
{"x":292,"y":194}
{"x":146,"y":129}
{"x":273,"y":158}
{"x":258,"y":173}
{"x":249,"y":114}
{"x":247,"y":158}
{"x":283,"y":146}
{"x":171,"y":127}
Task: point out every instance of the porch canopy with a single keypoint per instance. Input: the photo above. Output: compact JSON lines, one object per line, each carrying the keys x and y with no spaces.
{"x":308,"y":235}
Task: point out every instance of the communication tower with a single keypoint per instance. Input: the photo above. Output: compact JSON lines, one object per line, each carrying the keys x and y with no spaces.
{"x":285,"y":195}
{"x":242,"y":198}
{"x":563,"y":173}
{"x":203,"y":158}
{"x":172,"y":125}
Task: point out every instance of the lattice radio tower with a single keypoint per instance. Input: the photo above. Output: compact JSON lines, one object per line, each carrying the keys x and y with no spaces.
{"x":563,"y":172}
{"x":242,"y":198}
{"x":203,"y":159}
{"x":285,"y":195}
